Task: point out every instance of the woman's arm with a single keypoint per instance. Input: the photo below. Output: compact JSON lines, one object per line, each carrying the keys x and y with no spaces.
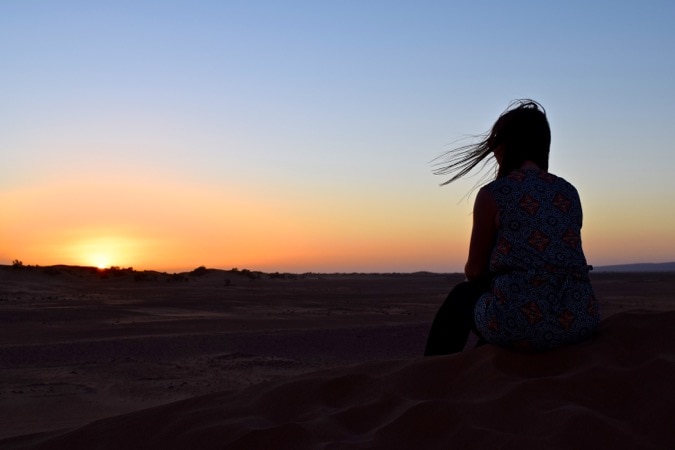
{"x":483,"y":235}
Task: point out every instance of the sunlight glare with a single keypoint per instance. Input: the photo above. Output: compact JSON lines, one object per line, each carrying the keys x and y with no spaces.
{"x":100,"y":261}
{"x":104,"y":252}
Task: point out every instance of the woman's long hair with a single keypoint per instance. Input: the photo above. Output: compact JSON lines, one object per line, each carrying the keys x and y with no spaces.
{"x":524,"y":134}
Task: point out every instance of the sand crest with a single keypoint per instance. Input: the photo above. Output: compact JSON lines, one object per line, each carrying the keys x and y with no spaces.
{"x":614,"y":391}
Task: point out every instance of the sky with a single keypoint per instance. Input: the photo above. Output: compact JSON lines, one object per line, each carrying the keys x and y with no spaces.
{"x":298,"y":136}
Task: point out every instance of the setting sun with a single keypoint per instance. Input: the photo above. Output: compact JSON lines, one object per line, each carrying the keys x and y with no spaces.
{"x":100,"y":261}
{"x":104,"y":251}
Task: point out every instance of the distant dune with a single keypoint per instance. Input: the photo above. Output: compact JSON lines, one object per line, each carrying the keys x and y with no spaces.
{"x":640,"y":267}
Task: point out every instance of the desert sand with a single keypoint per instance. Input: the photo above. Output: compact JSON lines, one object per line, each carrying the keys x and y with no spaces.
{"x":223,"y":359}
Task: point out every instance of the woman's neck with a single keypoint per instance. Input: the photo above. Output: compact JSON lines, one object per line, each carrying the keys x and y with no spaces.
{"x":530,"y":165}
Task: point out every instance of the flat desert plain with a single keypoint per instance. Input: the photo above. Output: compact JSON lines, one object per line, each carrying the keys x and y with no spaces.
{"x":311,"y":361}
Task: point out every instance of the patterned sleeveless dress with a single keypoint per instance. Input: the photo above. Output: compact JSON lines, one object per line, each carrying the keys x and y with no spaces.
{"x":541,"y":297}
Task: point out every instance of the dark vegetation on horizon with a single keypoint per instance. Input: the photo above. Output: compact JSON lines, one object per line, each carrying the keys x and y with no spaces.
{"x":201,"y":272}
{"x":113,"y":272}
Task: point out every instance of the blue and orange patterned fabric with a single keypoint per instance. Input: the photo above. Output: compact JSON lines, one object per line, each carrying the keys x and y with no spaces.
{"x":540,"y":297}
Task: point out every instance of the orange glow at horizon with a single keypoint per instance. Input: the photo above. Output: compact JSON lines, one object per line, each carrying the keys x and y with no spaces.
{"x":169,"y":226}
{"x":173,"y":227}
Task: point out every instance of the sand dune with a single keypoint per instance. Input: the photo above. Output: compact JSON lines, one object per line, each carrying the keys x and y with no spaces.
{"x":615,"y":391}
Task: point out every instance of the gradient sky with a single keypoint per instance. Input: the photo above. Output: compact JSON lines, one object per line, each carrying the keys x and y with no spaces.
{"x":297,"y":135}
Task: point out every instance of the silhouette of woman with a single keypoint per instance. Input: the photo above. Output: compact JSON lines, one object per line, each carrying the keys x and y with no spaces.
{"x":527,"y":284}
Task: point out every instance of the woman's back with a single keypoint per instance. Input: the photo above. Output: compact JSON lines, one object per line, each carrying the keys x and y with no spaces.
{"x":541,"y":296}
{"x":540,"y":222}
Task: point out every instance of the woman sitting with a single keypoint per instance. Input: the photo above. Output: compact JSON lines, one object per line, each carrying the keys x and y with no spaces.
{"x":527,"y":279}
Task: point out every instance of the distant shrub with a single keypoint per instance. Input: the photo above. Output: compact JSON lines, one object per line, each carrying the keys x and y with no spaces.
{"x":140,"y":276}
{"x":17,"y":264}
{"x":200,"y":271}
{"x":250,"y":275}
{"x":177,"y":277}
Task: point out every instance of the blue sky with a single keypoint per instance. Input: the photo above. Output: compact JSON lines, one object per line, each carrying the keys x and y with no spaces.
{"x":333,"y":110}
